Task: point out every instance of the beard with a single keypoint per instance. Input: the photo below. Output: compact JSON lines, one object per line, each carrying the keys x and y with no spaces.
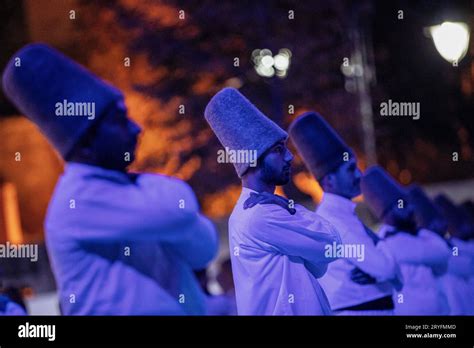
{"x":277,"y":178}
{"x":407,"y":225}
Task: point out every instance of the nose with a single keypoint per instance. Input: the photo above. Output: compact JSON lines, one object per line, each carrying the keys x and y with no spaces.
{"x":134,"y":128}
{"x":288,"y":156}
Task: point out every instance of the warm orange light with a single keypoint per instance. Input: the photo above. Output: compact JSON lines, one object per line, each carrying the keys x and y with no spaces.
{"x":220,"y":204}
{"x":279,"y":191}
{"x":405,"y":176}
{"x":11,"y":212}
{"x":307,"y":184}
{"x":164,"y":15}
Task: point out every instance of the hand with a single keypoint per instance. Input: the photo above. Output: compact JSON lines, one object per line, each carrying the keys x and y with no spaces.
{"x":360,"y":277}
{"x":268,"y":198}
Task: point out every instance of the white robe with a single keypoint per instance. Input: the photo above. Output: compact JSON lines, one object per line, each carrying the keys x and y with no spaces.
{"x":419,"y":256}
{"x":119,"y":247}
{"x":277,"y":258}
{"x":10,"y":308}
{"x":378,"y":261}
{"x":458,"y":282}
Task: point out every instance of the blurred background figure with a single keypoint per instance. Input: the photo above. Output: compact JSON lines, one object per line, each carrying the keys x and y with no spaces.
{"x":459,"y":281}
{"x":355,"y":284}
{"x":225,"y":279}
{"x":422,"y":254}
{"x":468,"y":206}
{"x":460,"y":223}
{"x":224,"y":302}
{"x":120,"y":243}
{"x":455,"y":282}
{"x":427,"y":214}
{"x":11,"y":300}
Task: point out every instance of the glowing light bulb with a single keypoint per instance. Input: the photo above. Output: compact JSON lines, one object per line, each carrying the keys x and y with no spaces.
{"x":451,"y":39}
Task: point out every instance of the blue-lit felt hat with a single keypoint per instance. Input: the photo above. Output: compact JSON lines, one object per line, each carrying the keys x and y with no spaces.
{"x":321,"y":148}
{"x":240,"y":125}
{"x":381,"y":192}
{"x":55,"y":93}
{"x":425,"y":209}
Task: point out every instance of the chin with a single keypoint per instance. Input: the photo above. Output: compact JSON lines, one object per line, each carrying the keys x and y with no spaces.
{"x":119,"y":163}
{"x":357,"y":191}
{"x":281,"y":182}
{"x":352,"y":195}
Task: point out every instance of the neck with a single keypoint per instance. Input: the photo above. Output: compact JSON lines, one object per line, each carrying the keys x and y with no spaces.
{"x":255,"y":184}
{"x":95,"y":164}
{"x":404,"y":226}
{"x":337,"y":193}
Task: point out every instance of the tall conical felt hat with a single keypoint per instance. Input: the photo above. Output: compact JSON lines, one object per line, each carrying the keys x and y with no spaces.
{"x":318,"y":144}
{"x":426,"y":210}
{"x":458,"y":218}
{"x":469,"y":208}
{"x":449,"y":210}
{"x":239,"y":125}
{"x":39,"y":81}
{"x":381,"y":191}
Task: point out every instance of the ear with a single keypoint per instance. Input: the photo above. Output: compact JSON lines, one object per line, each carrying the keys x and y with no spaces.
{"x":327,"y":182}
{"x":82,"y":151}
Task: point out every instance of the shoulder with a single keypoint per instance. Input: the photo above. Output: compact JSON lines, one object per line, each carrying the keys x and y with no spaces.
{"x":268,"y":213}
{"x":428,"y":234}
{"x":348,"y":230}
{"x":166,"y":187}
{"x":272,"y":217}
{"x":325,"y":211}
{"x":243,"y":217}
{"x":254,"y":221}
{"x":160,"y":179}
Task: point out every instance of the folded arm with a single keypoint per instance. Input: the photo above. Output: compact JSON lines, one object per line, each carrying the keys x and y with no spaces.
{"x":156,"y":209}
{"x":303,"y":234}
{"x":197,"y":248}
{"x":427,"y":248}
{"x":378,"y":261}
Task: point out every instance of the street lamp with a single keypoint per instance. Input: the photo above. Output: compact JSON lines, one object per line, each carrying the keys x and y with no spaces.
{"x":267,"y":65}
{"x":451,"y":39}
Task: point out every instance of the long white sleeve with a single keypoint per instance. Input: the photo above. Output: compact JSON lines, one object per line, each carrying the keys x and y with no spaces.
{"x":155,"y":208}
{"x":303,"y":235}
{"x":426,"y":248}
{"x":462,"y":266}
{"x":465,"y":248}
{"x":378,"y":262}
{"x":200,"y":247}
